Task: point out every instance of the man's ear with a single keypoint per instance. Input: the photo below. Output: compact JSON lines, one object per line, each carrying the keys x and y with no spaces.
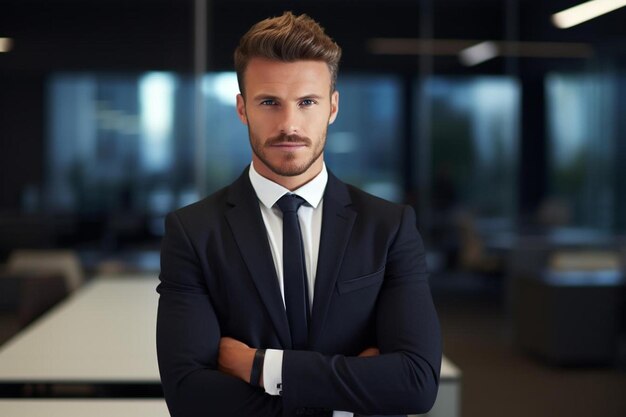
{"x":241,"y":109}
{"x":334,"y":106}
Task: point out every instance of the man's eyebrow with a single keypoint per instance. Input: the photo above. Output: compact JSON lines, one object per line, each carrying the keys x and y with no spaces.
{"x":263,"y":96}
{"x":309,"y":96}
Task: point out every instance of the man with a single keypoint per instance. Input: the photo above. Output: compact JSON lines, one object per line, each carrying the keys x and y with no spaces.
{"x":289,"y":292}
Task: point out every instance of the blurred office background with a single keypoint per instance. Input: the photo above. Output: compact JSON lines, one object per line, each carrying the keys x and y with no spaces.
{"x":506,"y":133}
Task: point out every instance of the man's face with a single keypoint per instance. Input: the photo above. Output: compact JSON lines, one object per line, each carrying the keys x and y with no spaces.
{"x":287,"y":108}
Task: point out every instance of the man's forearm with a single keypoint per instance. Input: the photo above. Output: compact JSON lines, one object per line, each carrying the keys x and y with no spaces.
{"x":235,"y":358}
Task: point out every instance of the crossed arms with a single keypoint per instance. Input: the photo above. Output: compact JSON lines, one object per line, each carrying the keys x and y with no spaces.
{"x":205,"y":372}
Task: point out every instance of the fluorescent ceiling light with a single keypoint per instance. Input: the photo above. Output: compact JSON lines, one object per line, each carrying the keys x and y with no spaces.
{"x":585,"y":11}
{"x":478,"y":53}
{"x":6,"y":44}
{"x":474,"y":49}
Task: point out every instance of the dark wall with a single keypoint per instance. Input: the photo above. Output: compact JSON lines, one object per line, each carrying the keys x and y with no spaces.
{"x":21,"y":136}
{"x":108,"y":35}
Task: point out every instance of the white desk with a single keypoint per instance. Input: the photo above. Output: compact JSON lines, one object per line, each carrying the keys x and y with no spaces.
{"x":82,"y":408}
{"x":103,"y":333}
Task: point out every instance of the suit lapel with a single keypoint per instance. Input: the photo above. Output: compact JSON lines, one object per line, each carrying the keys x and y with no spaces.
{"x":247,"y":225}
{"x":337,"y":222}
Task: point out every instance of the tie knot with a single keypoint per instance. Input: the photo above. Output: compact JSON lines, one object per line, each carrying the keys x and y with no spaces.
{"x":290,"y":203}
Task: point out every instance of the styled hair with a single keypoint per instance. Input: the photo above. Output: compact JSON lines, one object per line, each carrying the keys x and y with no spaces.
{"x":287,"y":38}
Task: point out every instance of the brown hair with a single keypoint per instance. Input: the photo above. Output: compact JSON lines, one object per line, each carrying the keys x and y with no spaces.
{"x":287,"y":38}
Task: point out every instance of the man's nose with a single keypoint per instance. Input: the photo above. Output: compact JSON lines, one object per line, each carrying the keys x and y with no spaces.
{"x":289,"y":122}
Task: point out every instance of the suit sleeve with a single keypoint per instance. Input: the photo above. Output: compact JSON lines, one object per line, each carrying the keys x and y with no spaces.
{"x":188,"y":335}
{"x":404,"y":378}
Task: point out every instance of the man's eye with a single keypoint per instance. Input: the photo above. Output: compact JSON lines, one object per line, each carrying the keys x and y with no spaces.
{"x":307,"y":102}
{"x":268,"y":102}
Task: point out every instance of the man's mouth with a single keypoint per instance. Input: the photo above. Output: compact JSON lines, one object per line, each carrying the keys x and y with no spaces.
{"x":288,"y":142}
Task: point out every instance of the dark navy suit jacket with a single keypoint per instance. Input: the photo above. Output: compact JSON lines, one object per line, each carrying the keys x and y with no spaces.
{"x":218,"y":279}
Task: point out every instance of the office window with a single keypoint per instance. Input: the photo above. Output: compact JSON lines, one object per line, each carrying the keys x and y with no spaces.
{"x":581,"y":119}
{"x":118,"y":143}
{"x":474,"y":132}
{"x":365,"y":144}
{"x":227,"y":150}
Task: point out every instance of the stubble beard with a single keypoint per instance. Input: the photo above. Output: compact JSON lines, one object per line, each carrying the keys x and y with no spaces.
{"x":287,"y":165}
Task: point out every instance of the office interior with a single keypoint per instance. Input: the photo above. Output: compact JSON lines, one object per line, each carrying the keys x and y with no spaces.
{"x":504,"y":131}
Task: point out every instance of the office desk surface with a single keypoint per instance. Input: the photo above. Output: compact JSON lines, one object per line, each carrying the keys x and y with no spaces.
{"x":449,"y":371}
{"x":82,"y":408}
{"x":103,"y":333}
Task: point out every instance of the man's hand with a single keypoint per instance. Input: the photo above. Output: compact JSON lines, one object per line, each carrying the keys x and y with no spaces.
{"x":235,"y":358}
{"x":372,"y":351}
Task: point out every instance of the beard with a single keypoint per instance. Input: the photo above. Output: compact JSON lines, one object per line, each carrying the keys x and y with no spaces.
{"x":288,"y":165}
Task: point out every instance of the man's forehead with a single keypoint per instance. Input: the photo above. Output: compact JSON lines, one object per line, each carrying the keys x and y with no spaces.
{"x":277,"y":75}
{"x":280,"y":89}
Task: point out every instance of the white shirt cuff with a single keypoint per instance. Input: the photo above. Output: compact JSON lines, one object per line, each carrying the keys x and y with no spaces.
{"x":273,"y":371}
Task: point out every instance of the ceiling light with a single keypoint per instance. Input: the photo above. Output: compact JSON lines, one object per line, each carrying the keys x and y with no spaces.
{"x":6,"y":44}
{"x":585,"y":11}
{"x":478,"y":53}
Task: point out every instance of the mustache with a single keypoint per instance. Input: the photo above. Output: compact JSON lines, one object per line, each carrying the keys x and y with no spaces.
{"x":282,"y":138}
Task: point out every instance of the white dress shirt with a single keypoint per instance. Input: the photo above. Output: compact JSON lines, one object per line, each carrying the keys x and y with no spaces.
{"x":310,"y":217}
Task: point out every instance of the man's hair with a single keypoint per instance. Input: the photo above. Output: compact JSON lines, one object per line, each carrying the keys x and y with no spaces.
{"x":287,"y":38}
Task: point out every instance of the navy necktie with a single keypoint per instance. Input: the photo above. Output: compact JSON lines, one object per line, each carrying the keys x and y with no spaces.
{"x":294,"y":275}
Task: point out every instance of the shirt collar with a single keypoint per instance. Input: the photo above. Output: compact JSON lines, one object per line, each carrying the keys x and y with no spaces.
{"x":270,"y":192}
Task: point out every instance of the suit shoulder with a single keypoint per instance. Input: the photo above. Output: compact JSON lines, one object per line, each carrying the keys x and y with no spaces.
{"x":363,"y":199}
{"x":204,"y":209}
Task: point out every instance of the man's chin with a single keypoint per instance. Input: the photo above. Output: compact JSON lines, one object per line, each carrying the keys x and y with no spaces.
{"x":289,"y":171}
